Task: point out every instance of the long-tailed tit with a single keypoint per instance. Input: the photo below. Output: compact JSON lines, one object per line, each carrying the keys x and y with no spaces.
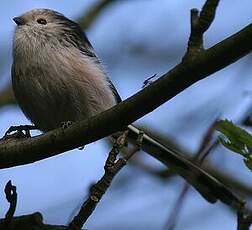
{"x":57,"y":77}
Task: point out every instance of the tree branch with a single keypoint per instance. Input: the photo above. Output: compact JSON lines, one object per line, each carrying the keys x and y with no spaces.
{"x":244,"y":219}
{"x":206,"y":62}
{"x":35,"y":221}
{"x":204,"y":150}
{"x":31,"y":222}
{"x":15,"y":152}
{"x":24,"y":151}
{"x":111,"y":168}
{"x":199,"y":25}
{"x":11,"y":197}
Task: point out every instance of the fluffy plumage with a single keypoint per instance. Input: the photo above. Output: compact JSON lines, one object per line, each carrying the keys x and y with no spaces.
{"x":56,"y":75}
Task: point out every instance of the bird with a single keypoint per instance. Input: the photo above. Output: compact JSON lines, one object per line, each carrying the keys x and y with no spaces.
{"x":58,"y":77}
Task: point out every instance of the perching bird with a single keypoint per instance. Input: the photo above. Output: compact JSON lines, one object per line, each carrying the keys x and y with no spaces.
{"x":57,"y":77}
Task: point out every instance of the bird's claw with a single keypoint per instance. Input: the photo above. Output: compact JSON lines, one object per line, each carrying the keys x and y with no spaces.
{"x":21,"y":131}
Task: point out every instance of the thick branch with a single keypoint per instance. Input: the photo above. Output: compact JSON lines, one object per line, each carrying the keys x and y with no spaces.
{"x":35,"y":221}
{"x":24,"y":151}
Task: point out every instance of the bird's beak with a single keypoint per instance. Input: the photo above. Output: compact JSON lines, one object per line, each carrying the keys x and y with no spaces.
{"x":19,"y":21}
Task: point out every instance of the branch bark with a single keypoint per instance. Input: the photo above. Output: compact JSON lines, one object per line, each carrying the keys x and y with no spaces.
{"x":244,"y":219}
{"x":35,"y":220}
{"x":11,"y":197}
{"x":111,"y":168}
{"x":23,"y":151}
{"x":15,"y":152}
{"x":200,"y":22}
{"x":31,"y":222}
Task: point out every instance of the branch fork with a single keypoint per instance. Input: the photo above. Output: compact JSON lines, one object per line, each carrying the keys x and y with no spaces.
{"x":200,"y":22}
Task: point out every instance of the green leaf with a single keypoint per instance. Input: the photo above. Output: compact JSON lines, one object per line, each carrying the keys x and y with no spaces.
{"x":237,"y":140}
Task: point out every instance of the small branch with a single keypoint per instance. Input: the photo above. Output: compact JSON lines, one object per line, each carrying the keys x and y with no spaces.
{"x":200,"y":22}
{"x":165,"y":174}
{"x":244,"y":219}
{"x":111,"y":168}
{"x":11,"y":196}
{"x":203,"y":151}
{"x":93,"y":12}
{"x":31,"y":222}
{"x":23,"y":151}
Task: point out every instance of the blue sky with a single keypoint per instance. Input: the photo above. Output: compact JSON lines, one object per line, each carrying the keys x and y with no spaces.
{"x":135,"y":39}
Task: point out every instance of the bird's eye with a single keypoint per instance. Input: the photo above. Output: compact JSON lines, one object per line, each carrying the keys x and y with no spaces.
{"x":42,"y":21}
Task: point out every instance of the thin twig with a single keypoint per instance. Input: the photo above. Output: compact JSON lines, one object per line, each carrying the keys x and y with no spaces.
{"x":205,"y":147}
{"x":173,"y":217}
{"x":111,"y":168}
{"x":11,"y":197}
{"x":24,"y":151}
{"x":200,"y":22}
{"x":17,"y":152}
{"x":244,"y":218}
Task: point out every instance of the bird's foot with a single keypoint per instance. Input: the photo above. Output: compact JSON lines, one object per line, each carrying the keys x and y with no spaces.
{"x":21,"y":131}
